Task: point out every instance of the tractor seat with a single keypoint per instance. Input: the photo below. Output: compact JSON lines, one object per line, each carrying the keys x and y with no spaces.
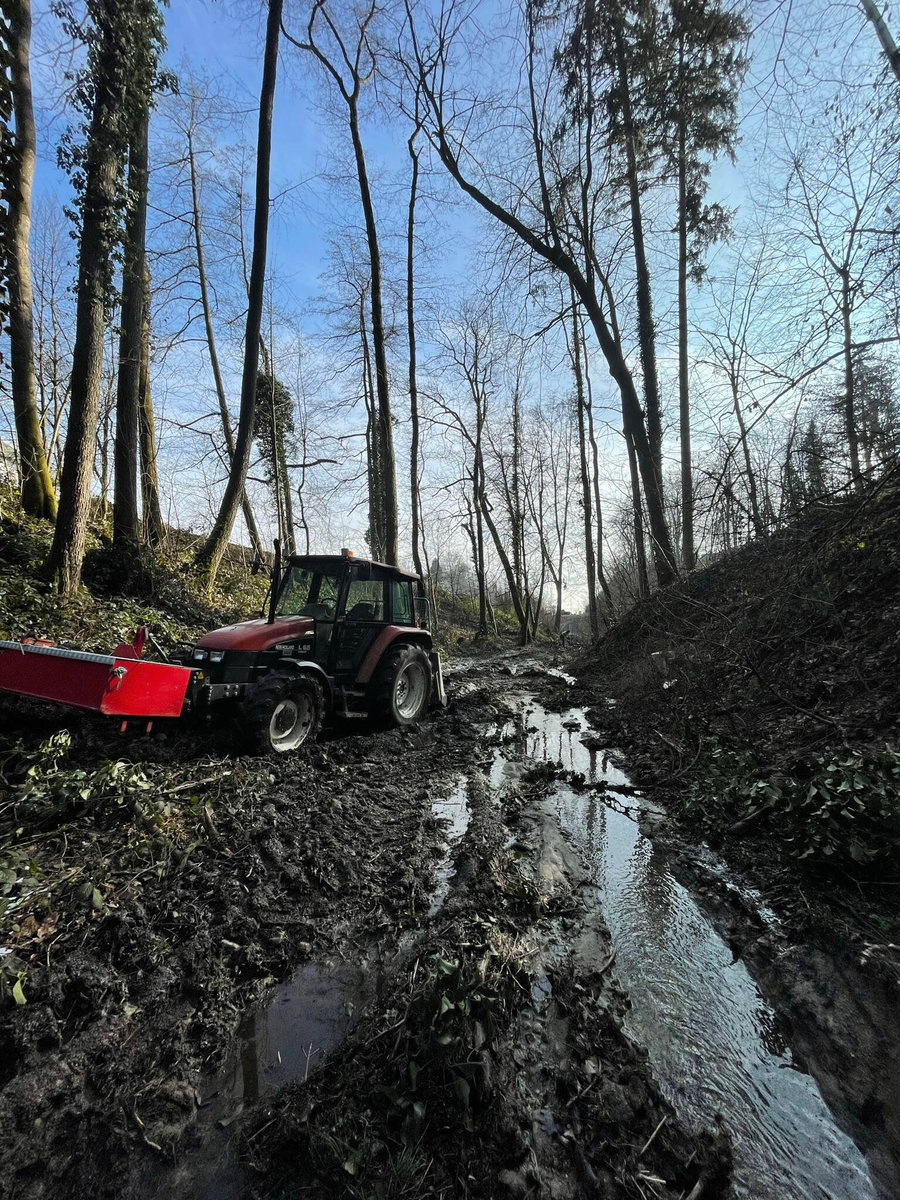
{"x":320,"y":612}
{"x":363,"y":611}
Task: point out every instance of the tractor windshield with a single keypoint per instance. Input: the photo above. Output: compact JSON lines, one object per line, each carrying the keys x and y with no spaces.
{"x":308,"y":593}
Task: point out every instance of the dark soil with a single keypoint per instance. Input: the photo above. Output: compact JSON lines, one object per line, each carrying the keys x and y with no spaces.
{"x":135,"y":983}
{"x":143,"y":919}
{"x":497,"y":1067}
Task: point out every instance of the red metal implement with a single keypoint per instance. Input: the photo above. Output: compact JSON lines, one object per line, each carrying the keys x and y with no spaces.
{"x":112,"y":684}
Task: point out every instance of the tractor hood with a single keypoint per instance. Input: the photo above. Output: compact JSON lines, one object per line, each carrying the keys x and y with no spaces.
{"x":256,"y":635}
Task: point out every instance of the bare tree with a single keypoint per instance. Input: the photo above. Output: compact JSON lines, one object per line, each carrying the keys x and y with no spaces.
{"x":154,"y":526}
{"x":18,"y":157}
{"x":54,"y":318}
{"x":131,"y":340}
{"x":839,"y":192}
{"x":448,"y":125}
{"x":414,"y":451}
{"x":351,"y":65}
{"x":210,"y":554}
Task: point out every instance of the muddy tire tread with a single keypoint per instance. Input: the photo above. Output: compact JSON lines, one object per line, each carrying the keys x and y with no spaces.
{"x":275,"y":686}
{"x":381,"y":706}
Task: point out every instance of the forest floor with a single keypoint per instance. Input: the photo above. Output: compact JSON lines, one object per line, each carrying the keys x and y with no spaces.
{"x":433,"y":920}
{"x":761,"y":697}
{"x":627,"y":933}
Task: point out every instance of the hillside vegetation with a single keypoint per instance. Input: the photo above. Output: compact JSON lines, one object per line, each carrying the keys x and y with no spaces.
{"x":762,"y":694}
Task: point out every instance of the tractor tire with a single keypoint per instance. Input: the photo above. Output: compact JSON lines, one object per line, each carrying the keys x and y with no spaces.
{"x":283,"y":712}
{"x":401,"y":688}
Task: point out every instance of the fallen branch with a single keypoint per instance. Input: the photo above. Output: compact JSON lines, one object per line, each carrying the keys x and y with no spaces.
{"x":195,"y":783}
{"x":649,"y":1141}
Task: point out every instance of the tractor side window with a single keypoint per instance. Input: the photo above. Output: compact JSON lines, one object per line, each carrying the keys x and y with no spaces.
{"x":402,"y":604}
{"x":365,"y":600}
{"x":326,"y":597}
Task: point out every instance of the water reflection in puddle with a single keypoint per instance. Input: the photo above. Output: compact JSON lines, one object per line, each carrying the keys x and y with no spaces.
{"x":302,"y":1021}
{"x":453,"y":811}
{"x":711,"y":1036}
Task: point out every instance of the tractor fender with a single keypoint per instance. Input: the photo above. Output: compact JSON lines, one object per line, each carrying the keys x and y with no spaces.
{"x":390,"y":636}
{"x":307,"y":667}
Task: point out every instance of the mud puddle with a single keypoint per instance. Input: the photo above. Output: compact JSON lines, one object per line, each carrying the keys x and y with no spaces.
{"x":285,"y":1040}
{"x":713,"y":1041}
{"x":453,"y":811}
{"x":293,"y":1033}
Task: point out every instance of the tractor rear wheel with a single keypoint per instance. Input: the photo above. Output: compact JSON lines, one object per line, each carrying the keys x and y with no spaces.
{"x":284,"y":711}
{"x":401,"y":688}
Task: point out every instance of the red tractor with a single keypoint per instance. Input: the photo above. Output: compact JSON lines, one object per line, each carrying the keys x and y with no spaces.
{"x":342,"y":636}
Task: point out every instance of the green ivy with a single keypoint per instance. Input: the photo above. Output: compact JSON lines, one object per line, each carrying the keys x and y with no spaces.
{"x":842,"y":805}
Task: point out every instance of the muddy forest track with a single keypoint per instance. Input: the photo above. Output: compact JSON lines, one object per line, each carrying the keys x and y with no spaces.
{"x":448,"y":962}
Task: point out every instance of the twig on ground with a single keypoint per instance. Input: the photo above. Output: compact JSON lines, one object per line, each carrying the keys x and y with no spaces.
{"x":649,"y":1141}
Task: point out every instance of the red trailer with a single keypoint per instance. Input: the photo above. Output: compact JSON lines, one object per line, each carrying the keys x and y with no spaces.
{"x":120,"y":684}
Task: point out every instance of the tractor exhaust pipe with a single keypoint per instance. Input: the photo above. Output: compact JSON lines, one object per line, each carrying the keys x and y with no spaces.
{"x":276,"y":580}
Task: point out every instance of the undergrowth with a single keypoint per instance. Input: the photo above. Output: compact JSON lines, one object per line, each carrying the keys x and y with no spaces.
{"x":843,"y":804}
{"x":120,"y":591}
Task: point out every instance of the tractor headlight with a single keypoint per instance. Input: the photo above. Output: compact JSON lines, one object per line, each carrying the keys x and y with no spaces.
{"x":199,"y":654}
{"x":216,"y":655}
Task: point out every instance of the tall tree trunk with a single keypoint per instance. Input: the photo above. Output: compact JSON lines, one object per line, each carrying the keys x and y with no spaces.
{"x":850,"y":425}
{"x":414,"y":497}
{"x":373,"y":443}
{"x":126,"y":529}
{"x":95,"y":245}
{"x":640,"y":551}
{"x":646,"y":324}
{"x":246,"y":508}
{"x":688,"y":558}
{"x":590,"y":564}
{"x":210,"y":554}
{"x":873,"y":12}
{"x":154,"y":526}
{"x":387,"y":482}
{"x":287,"y":498}
{"x":514,"y":592}
{"x":598,"y":507}
{"x":38,"y":499}
{"x":478,"y":492}
{"x":518,"y":516}
{"x":476,"y":541}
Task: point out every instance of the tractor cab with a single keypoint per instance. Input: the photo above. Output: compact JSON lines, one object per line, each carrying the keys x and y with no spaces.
{"x":349,"y":601}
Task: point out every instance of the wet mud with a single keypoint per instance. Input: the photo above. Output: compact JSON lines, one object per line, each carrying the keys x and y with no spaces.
{"x":468,"y":960}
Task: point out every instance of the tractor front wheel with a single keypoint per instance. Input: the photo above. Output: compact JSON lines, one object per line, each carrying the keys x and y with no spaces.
{"x":401,"y":688}
{"x":284,"y":711}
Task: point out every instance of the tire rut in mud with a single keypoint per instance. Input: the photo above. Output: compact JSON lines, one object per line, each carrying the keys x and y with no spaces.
{"x":497,"y":1065}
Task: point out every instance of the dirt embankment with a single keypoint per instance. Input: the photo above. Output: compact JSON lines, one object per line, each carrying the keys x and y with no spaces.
{"x":759,"y":699}
{"x":150,"y":901}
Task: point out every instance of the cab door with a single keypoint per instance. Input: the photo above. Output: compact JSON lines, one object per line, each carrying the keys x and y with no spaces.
{"x":366,"y":612}
{"x":328,"y":588}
